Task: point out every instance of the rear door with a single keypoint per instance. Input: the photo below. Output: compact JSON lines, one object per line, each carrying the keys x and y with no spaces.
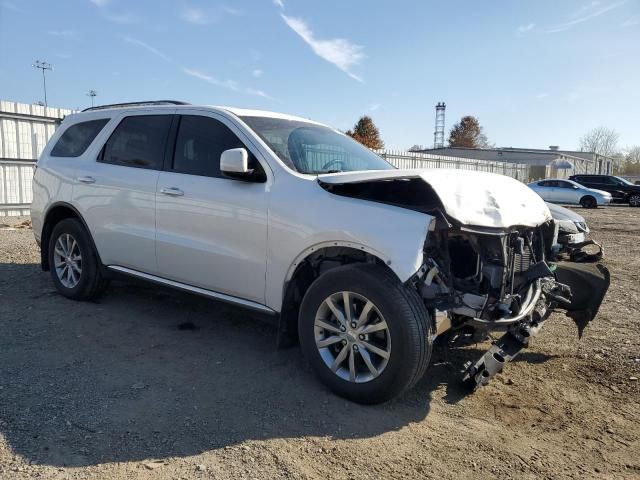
{"x":211,"y":230}
{"x":116,"y":191}
{"x":546,"y":190}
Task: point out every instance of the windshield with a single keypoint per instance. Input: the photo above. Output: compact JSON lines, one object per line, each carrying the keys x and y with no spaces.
{"x":309,"y":148}
{"x":623,"y":180}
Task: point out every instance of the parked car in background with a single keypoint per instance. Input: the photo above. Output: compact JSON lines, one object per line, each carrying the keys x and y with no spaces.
{"x":571,"y":236}
{"x":570,"y":193}
{"x":621,"y":190}
{"x":296,"y":220}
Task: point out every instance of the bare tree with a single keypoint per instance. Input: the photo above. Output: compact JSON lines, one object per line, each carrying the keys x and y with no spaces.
{"x":417,"y":148}
{"x":632,"y":161}
{"x":600,"y":140}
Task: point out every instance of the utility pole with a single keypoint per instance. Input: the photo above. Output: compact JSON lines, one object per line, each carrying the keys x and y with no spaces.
{"x":43,"y":66}
{"x":92,"y":94}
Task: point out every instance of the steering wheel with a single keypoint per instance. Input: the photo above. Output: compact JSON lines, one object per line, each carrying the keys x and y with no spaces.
{"x":331,"y":162}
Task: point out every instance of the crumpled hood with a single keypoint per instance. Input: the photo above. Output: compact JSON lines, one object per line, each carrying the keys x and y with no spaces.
{"x":473,"y":198}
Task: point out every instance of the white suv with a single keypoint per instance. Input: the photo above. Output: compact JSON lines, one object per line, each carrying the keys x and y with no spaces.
{"x":364,"y":263}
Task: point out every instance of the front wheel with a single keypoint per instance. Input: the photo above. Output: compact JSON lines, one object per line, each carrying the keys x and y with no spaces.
{"x":588,"y":202}
{"x":634,"y":200}
{"x":366,"y":335}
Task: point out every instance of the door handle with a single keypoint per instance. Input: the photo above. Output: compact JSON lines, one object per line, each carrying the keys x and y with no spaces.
{"x":172,"y":191}
{"x":86,"y":179}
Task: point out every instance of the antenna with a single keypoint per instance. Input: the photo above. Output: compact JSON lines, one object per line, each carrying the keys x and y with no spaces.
{"x":438,"y":135}
{"x":92,"y":94}
{"x":43,"y":66}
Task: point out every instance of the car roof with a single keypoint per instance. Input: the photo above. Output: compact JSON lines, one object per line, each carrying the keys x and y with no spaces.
{"x":240,"y":112}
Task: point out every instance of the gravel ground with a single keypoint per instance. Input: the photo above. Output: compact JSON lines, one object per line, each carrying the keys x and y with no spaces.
{"x":123,"y":388}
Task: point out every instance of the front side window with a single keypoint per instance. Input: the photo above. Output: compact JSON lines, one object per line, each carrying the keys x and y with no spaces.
{"x":77,"y":138}
{"x":138,"y":141}
{"x":314,"y":149}
{"x":200,"y":143}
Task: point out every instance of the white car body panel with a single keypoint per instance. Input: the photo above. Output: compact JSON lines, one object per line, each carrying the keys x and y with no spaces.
{"x":473,"y":198}
{"x":304,"y":217}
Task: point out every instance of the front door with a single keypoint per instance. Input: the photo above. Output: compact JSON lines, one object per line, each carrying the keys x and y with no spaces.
{"x":211,"y":230}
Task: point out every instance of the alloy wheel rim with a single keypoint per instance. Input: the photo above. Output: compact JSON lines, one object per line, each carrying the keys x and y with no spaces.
{"x":635,"y":200}
{"x":67,"y":260}
{"x":352,"y":337}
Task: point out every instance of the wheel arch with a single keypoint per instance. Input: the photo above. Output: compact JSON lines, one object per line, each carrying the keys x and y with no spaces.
{"x":55,"y":214}
{"x":307,"y":267}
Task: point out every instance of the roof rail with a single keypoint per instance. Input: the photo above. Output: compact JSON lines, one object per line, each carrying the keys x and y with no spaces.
{"x":136,"y":104}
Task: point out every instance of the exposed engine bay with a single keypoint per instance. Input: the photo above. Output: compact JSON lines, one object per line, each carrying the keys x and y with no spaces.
{"x":504,"y":278}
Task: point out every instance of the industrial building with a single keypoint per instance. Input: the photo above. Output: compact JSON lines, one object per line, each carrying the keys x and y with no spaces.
{"x":551,"y":163}
{"x":24,"y":131}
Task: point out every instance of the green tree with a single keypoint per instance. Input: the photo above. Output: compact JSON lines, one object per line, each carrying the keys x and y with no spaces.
{"x":468,"y":133}
{"x":366,"y":132}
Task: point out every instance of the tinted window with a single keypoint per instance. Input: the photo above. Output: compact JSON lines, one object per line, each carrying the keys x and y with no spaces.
{"x":608,"y":181}
{"x":200,"y":142}
{"x":77,"y":138}
{"x":138,"y":142}
{"x":562,"y":184}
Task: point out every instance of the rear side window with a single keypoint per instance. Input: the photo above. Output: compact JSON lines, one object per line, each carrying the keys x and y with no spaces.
{"x":77,"y":138}
{"x":138,"y":141}
{"x":200,"y":143}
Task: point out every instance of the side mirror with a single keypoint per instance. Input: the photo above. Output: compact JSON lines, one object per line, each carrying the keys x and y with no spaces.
{"x":234,"y":163}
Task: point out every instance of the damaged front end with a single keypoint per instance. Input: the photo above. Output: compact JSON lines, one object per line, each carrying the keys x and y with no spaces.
{"x":491,"y":257}
{"x":502,"y":279}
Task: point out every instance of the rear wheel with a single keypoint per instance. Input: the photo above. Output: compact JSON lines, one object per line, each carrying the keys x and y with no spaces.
{"x":366,"y":335}
{"x":588,"y":202}
{"x":74,"y":264}
{"x":634,"y":200}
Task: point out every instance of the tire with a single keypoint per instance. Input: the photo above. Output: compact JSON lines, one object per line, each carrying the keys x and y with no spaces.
{"x":408,"y":334}
{"x":634,"y":200}
{"x":588,"y":202}
{"x":85,"y":281}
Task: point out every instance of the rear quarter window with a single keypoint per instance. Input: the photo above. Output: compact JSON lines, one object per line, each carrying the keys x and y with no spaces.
{"x":77,"y":138}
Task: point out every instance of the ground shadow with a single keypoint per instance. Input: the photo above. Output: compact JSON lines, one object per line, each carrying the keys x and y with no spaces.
{"x":147,"y":372}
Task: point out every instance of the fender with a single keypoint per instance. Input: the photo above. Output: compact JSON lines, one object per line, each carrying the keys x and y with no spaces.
{"x":46,"y":232}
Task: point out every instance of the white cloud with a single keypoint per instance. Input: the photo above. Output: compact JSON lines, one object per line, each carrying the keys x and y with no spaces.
{"x":540,"y":96}
{"x":122,"y":18}
{"x":11,"y":6}
{"x":584,"y":14}
{"x":526,"y":28}
{"x":228,"y":84}
{"x":99,"y":3}
{"x":232,"y":11}
{"x":147,"y":47}
{"x":374,"y":106}
{"x":339,"y":51}
{"x":257,"y":73}
{"x":195,"y":15}
{"x":62,"y":33}
{"x":279,"y":3}
{"x":632,"y":22}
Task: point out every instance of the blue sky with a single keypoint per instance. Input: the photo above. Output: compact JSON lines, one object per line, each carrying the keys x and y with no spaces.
{"x":535,"y":73}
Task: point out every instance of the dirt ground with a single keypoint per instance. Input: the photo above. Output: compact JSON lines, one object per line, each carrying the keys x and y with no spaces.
{"x":117,"y":389}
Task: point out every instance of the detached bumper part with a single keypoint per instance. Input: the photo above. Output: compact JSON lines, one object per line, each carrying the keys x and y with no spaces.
{"x":588,"y":284}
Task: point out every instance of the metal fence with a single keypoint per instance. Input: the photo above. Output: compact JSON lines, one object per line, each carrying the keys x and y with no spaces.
{"x":402,"y":159}
{"x":15,"y":187}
